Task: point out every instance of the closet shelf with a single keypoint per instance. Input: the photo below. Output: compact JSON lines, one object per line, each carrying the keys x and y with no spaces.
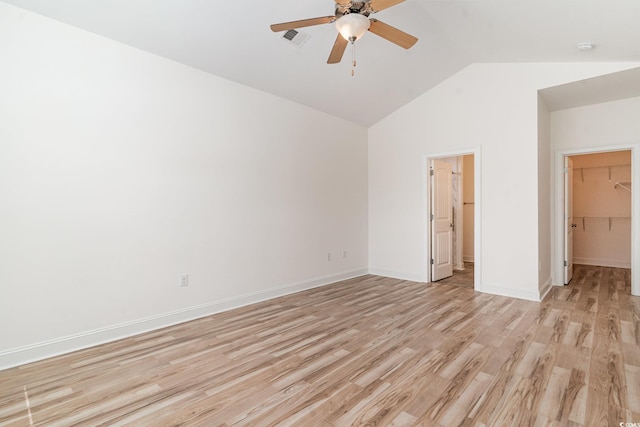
{"x":606,"y":166}
{"x":603,"y":217}
{"x":609,"y":167}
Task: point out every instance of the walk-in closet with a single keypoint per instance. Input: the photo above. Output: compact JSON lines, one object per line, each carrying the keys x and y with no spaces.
{"x":602,"y":209}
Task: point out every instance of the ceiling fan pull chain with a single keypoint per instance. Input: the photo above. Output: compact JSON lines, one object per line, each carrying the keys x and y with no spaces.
{"x":353,"y":58}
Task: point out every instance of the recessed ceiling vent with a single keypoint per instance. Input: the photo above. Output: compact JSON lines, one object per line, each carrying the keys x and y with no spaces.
{"x":295,"y":37}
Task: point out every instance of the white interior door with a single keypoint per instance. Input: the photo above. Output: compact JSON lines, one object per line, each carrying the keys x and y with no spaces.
{"x":568,"y":219}
{"x":441,"y":220}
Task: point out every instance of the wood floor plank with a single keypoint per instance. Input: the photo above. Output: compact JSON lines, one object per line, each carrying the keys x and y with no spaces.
{"x":365,"y":351}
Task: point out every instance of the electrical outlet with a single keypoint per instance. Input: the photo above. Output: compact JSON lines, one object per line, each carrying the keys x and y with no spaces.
{"x":328,"y":256}
{"x":344,"y":254}
{"x":184,"y":280}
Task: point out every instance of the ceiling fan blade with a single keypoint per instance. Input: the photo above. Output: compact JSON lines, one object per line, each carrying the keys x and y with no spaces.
{"x":377,"y":5}
{"x":338,"y":50}
{"x":392,"y":34}
{"x":302,"y":23}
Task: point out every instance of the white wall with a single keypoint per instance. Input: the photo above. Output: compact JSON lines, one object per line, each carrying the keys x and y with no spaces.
{"x":599,"y":127}
{"x":596,"y":125}
{"x":490,"y":106}
{"x":119,"y":170}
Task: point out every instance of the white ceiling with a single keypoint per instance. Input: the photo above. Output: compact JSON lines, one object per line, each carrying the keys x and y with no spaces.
{"x":232,"y":39}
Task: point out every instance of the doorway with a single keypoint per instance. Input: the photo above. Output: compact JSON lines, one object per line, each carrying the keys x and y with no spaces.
{"x":597,"y":219}
{"x":452,"y":232}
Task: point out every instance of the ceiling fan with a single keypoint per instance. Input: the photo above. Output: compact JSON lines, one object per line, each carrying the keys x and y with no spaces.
{"x":352,"y":21}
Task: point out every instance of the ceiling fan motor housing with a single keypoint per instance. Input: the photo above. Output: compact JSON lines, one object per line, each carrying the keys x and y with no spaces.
{"x":359,"y":7}
{"x":352,"y":21}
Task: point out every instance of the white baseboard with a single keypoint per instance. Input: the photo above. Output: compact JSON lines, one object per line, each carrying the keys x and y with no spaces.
{"x":396,"y":275}
{"x":467,"y":258}
{"x":544,"y":289}
{"x":602,"y":262}
{"x":497,"y":290}
{"x":62,"y":345}
{"x":509,"y":292}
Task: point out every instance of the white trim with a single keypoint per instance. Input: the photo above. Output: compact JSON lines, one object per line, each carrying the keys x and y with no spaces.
{"x":513,"y":293}
{"x":62,"y":345}
{"x":544,"y":290}
{"x":558,"y":238}
{"x":426,"y":222}
{"x":477,"y":221}
{"x":602,"y":262}
{"x":396,"y":275}
{"x":477,"y":213}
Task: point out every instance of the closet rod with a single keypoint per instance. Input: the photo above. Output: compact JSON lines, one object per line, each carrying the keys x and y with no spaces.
{"x":626,"y":185}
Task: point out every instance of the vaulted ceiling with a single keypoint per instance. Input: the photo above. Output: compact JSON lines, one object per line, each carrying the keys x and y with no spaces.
{"x":232,"y":39}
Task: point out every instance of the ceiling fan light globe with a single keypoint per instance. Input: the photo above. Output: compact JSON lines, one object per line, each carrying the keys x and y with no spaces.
{"x":352,"y":26}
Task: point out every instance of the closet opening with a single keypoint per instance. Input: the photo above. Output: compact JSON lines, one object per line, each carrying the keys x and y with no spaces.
{"x":597,"y":214}
{"x":452,"y":220}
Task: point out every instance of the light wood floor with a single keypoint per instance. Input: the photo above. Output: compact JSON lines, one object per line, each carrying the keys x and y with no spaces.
{"x":367,"y":351}
{"x":462,"y":278}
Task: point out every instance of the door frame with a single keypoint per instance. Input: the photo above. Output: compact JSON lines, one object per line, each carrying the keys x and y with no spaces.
{"x":559,"y":196}
{"x":567,"y":218}
{"x":477,"y":213}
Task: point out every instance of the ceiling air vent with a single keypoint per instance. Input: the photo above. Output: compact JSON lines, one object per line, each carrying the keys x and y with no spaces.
{"x":295,"y":37}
